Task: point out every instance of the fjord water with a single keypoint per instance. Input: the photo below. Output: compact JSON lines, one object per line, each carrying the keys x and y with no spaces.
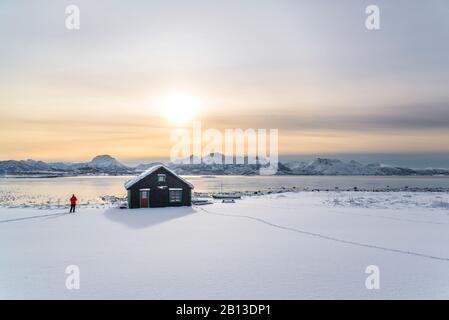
{"x":90,"y":189}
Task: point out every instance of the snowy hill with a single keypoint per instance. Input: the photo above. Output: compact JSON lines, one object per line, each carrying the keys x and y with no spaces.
{"x":217,"y":164}
{"x":334,"y":167}
{"x":144,"y":166}
{"x":103,"y":164}
{"x":14,"y":166}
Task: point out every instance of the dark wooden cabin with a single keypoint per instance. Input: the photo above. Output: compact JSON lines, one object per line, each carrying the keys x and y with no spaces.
{"x":158,"y":187}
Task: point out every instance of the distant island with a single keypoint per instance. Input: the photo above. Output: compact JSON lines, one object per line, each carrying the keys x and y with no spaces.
{"x":107,"y":165}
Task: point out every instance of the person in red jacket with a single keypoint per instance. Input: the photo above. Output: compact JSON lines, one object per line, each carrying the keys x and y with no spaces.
{"x":73,"y":200}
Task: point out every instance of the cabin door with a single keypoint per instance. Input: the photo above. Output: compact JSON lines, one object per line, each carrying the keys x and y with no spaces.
{"x":144,"y":198}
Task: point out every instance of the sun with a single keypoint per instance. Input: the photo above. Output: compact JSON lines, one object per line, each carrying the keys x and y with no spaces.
{"x":178,"y":108}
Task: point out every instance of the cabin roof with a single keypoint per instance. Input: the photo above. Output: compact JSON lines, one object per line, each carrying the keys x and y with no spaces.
{"x":146,"y":173}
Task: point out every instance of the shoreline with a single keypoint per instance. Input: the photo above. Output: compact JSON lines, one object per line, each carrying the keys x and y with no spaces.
{"x":112,"y":201}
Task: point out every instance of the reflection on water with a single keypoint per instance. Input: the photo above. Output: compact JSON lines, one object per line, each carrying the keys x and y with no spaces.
{"x":90,"y":189}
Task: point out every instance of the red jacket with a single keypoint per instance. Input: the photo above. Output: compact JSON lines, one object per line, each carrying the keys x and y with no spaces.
{"x":73,"y":200}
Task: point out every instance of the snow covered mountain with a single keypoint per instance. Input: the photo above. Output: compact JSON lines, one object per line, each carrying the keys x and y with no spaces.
{"x":335,"y":167}
{"x":215,"y":164}
{"x":144,"y":166}
{"x":105,"y":164}
{"x":14,"y":166}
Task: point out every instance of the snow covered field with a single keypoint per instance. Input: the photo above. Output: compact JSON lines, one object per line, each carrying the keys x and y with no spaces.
{"x":284,"y":246}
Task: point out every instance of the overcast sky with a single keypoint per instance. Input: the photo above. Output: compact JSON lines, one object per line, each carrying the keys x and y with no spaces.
{"x":308,"y":68}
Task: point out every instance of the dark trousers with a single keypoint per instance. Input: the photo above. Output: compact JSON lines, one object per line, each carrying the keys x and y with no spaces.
{"x":72,"y":208}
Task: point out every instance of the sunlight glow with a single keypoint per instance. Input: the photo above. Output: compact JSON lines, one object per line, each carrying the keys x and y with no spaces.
{"x":178,"y":108}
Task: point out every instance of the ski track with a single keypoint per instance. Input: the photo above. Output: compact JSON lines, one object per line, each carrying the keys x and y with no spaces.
{"x":322,"y":236}
{"x":366,"y":215}
{"x":33,"y":217}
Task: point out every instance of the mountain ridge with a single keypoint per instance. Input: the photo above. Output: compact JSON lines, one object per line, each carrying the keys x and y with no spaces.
{"x":107,"y":165}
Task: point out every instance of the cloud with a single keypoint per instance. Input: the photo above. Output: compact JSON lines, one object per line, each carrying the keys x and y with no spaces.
{"x":394,"y":118}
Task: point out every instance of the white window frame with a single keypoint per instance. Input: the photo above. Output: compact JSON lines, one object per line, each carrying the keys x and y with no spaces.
{"x":177,"y":199}
{"x":163,"y":176}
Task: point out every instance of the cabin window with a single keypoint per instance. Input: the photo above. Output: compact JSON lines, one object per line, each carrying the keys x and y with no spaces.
{"x":161,"y":178}
{"x":175,"y":195}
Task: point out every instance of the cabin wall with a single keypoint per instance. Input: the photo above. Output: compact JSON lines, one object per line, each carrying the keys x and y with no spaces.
{"x":151,"y":182}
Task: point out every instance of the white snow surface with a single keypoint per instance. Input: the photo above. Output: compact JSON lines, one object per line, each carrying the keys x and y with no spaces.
{"x":285,"y":246}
